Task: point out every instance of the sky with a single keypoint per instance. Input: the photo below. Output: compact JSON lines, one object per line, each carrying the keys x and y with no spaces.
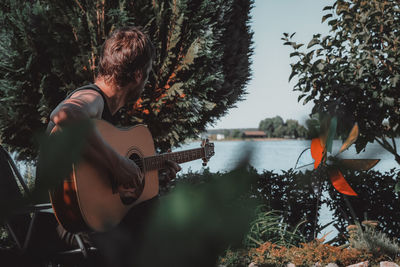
{"x":269,"y":91}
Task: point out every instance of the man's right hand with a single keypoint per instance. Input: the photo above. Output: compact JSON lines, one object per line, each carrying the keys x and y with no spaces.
{"x":129,"y":178}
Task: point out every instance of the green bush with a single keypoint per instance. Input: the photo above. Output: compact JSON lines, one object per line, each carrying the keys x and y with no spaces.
{"x":293,"y":193}
{"x":376,"y":200}
{"x":290,"y":192}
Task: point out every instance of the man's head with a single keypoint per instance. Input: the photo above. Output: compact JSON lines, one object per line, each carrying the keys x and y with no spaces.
{"x":125,"y":56}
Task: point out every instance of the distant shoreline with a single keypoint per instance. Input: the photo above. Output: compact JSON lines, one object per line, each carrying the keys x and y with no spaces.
{"x":254,"y":139}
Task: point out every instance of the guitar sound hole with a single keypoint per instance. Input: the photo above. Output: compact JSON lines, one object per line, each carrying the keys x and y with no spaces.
{"x":138,"y":160}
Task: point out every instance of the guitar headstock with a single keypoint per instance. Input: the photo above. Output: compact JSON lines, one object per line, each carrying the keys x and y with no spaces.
{"x":208,"y":151}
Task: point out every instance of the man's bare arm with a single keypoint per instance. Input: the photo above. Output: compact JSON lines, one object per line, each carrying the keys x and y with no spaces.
{"x":88,"y":104}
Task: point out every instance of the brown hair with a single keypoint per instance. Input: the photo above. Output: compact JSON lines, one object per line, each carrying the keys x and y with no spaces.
{"x":125,"y":53}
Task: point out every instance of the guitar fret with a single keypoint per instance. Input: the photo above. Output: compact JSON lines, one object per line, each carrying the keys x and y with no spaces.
{"x":158,"y":161}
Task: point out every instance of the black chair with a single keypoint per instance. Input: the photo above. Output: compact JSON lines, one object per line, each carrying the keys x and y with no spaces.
{"x":26,"y":225}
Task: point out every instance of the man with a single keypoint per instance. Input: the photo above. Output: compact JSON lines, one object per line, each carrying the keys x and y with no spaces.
{"x":124,"y":67}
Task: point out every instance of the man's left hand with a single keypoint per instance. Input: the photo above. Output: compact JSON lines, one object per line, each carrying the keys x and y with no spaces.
{"x":169,"y":172}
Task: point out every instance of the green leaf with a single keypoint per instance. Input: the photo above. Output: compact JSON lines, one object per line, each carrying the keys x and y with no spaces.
{"x":326,"y":17}
{"x":332,"y":22}
{"x":293,"y":44}
{"x":292,"y":74}
{"x":395,"y":80}
{"x":300,"y":97}
{"x":297,"y":46}
{"x":296,"y":53}
{"x":388,"y":101}
{"x":397,"y":187}
{"x":313,"y":42}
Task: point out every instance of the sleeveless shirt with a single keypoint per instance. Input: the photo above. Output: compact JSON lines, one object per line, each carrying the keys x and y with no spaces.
{"x":106,"y":115}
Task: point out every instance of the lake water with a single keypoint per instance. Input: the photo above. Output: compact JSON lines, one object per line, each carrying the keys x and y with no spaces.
{"x":278,"y":155}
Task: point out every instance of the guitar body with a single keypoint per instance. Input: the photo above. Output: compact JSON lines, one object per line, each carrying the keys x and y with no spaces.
{"x":86,"y":200}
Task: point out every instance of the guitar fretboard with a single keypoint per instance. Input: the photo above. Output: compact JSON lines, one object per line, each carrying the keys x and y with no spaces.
{"x":158,"y":161}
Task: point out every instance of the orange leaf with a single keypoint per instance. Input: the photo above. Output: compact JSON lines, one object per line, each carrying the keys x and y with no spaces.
{"x":138,"y":103}
{"x":317,"y":151}
{"x":340,"y":183}
{"x":351,"y":138}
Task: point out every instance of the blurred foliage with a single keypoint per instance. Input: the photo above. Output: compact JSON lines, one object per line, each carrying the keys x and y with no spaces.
{"x":313,"y":126}
{"x":196,"y":222}
{"x":354,"y":71}
{"x":58,"y":153}
{"x":49,"y":48}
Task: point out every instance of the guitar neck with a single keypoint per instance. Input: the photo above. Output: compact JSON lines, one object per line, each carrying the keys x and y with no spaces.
{"x":158,"y":161}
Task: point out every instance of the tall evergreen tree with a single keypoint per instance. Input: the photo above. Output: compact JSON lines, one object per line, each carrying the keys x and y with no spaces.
{"x":49,"y":48}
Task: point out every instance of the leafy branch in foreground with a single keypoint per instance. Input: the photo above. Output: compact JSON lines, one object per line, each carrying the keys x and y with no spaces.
{"x":354,"y":71}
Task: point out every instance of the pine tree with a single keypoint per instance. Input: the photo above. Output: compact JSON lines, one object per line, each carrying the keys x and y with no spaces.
{"x":49,"y":48}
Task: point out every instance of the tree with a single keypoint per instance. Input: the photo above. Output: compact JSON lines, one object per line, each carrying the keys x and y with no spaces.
{"x":266,"y":126}
{"x":313,"y":128}
{"x":281,"y":131}
{"x":354,"y":71}
{"x":276,"y":127}
{"x":49,"y":48}
{"x":269,"y":125}
{"x":294,"y":129}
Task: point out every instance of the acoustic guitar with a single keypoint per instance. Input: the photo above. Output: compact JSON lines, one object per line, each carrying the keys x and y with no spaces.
{"x":87,"y":200}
